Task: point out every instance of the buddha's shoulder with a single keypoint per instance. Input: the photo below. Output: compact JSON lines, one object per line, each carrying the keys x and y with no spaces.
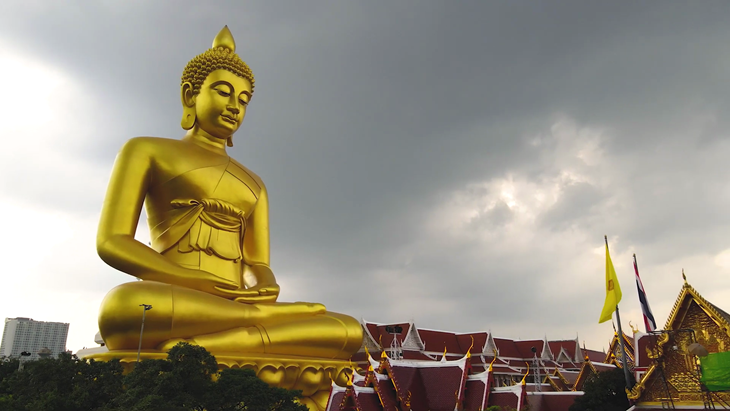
{"x":151,"y":145}
{"x":245,"y":174}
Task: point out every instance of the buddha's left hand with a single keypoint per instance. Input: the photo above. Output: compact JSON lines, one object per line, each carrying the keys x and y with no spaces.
{"x":257,"y":294}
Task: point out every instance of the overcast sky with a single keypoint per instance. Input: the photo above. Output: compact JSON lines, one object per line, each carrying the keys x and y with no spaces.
{"x":452,"y":163}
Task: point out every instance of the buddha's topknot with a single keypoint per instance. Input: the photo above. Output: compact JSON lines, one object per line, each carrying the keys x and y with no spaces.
{"x":213,"y":59}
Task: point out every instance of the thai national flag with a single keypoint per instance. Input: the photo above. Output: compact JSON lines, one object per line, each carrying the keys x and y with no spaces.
{"x":649,"y":322}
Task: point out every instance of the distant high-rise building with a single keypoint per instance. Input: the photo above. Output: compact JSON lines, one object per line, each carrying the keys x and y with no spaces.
{"x":25,"y":334}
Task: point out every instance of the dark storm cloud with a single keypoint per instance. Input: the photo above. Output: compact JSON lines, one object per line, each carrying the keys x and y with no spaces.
{"x":369,"y":116}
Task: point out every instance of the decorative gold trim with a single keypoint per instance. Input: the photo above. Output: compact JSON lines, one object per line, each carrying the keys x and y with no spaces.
{"x":581,"y":374}
{"x":688,"y":290}
{"x":562,"y":378}
{"x":552,"y":383}
{"x":637,"y":390}
{"x":629,"y":344}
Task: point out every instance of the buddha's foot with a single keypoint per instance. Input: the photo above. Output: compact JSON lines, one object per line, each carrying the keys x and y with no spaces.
{"x":244,"y":339}
{"x":287,"y":311}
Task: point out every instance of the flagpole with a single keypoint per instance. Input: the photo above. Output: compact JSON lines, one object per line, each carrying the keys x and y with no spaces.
{"x":623,"y":349}
{"x":620,"y":335}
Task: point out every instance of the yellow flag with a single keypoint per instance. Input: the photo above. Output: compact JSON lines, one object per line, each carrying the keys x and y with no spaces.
{"x":613,"y":290}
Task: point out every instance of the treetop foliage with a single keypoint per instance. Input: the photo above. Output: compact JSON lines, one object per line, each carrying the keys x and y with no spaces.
{"x":185,"y":381}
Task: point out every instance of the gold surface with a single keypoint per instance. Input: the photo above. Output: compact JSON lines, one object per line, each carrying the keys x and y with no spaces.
{"x":207,"y":274}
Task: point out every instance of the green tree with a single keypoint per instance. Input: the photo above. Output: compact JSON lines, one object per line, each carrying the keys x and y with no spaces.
{"x":8,"y":367}
{"x":182,"y":382}
{"x":64,"y":383}
{"x":604,"y":391}
{"x":240,"y":389}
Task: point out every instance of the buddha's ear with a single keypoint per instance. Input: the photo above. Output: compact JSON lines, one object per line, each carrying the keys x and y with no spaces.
{"x":187,"y":98}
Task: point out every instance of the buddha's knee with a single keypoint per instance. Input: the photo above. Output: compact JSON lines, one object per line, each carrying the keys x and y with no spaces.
{"x":120,"y":316}
{"x":353,"y":332}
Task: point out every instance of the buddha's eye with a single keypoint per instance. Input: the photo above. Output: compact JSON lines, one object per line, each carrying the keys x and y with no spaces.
{"x":223,"y":93}
{"x":243,"y":102}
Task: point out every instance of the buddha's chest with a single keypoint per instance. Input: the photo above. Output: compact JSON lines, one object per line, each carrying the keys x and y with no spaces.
{"x":200,"y":177}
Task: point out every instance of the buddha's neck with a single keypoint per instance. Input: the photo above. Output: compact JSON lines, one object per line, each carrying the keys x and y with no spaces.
{"x":205,"y":140}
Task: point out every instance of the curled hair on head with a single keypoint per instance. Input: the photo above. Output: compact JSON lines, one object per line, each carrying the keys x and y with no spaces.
{"x":197,"y":69}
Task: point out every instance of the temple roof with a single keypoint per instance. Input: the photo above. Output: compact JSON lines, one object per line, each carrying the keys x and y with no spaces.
{"x":689,"y":294}
{"x":439,"y":384}
{"x":403,"y":366}
{"x":708,"y":324}
{"x":593,"y":355}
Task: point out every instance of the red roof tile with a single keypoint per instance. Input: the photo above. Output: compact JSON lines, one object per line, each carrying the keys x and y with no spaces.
{"x":568,"y":345}
{"x":603,"y":367}
{"x":384,"y":386}
{"x":443,"y":386}
{"x":595,"y":356}
{"x":506,"y":348}
{"x":551,"y":401}
{"x":525,"y":348}
{"x":436,"y":341}
{"x":475,"y":396}
{"x":505,"y":399}
{"x":367,"y":399}
{"x":335,"y":401}
{"x":570,"y":376}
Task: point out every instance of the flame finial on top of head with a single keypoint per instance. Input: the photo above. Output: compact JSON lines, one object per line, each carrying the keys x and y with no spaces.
{"x":225,"y":39}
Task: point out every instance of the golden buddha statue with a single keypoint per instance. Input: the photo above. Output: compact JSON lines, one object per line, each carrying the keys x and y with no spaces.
{"x":207,"y":274}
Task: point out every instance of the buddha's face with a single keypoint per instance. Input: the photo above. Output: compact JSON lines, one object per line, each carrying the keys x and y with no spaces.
{"x":221,"y":104}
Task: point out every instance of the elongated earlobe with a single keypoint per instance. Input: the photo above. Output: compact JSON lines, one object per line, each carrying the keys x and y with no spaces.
{"x":188,"y":102}
{"x":188,"y":119}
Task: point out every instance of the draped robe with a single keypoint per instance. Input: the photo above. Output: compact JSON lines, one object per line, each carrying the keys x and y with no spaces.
{"x":212,"y":217}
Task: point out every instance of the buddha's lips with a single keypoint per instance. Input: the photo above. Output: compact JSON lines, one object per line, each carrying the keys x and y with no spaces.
{"x":229,"y":119}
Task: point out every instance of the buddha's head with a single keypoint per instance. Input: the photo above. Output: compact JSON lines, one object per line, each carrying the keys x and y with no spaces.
{"x":216,"y":89}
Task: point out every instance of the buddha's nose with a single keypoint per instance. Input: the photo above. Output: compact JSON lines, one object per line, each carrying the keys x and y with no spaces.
{"x":233,"y":109}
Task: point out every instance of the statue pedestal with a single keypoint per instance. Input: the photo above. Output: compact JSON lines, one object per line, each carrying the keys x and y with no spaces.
{"x":313,"y":376}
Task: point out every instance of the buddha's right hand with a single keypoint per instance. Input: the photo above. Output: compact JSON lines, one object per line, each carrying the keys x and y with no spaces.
{"x":204,"y":281}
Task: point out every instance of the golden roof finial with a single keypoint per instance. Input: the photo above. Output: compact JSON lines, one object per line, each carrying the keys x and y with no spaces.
{"x":468,"y":352}
{"x":444,"y":356}
{"x":526,"y":372}
{"x":367,"y":352}
{"x":492,"y":363}
{"x":684,"y":277}
{"x":225,"y":39}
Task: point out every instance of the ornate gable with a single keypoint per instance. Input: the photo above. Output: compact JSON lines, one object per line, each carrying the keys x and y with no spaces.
{"x":563,"y":356}
{"x":674,"y":375}
{"x":691,"y":310}
{"x":490,"y":348}
{"x":613,"y":355}
{"x":412,"y":341}
{"x":546,"y":353}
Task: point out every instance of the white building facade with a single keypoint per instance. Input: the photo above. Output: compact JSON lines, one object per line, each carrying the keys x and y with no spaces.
{"x":25,"y":334}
